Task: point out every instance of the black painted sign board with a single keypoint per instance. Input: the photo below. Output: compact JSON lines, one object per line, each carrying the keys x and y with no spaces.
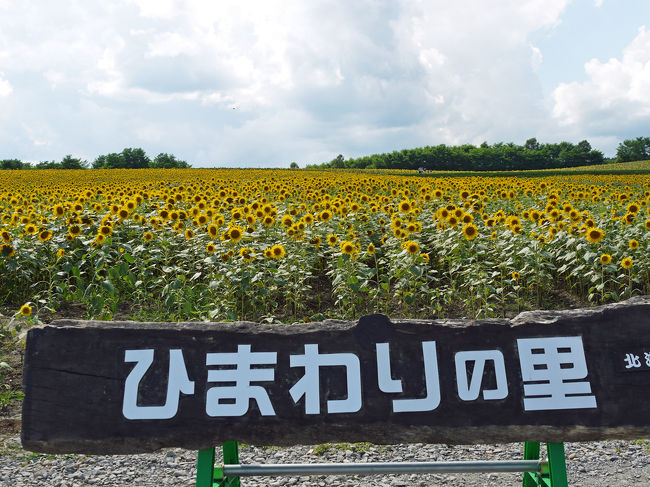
{"x":126,"y":387}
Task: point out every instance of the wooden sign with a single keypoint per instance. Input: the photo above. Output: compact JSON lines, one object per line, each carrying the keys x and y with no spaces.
{"x":126,"y":387}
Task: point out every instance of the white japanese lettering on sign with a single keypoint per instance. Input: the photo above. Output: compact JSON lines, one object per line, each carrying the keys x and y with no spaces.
{"x":242,"y":375}
{"x":309,"y":384}
{"x":177,"y":382}
{"x":551,"y":369}
{"x":470,"y":392}
{"x":431,"y":379}
{"x":632,"y":361}
{"x":554,"y":371}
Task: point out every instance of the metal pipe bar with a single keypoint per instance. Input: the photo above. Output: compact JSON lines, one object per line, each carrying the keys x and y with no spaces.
{"x":299,"y":469}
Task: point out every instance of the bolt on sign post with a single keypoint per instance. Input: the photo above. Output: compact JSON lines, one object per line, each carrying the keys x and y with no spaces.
{"x":550,"y":376}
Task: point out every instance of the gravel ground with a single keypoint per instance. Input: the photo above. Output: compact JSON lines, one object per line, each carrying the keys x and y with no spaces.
{"x":607,"y":463}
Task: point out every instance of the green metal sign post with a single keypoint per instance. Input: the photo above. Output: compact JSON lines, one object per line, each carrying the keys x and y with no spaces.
{"x":551,"y":473}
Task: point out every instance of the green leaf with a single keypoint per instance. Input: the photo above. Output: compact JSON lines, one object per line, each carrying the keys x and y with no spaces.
{"x":108,"y":286}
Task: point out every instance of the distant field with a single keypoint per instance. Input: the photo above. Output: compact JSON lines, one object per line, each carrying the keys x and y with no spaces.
{"x":287,"y":245}
{"x":636,"y":167}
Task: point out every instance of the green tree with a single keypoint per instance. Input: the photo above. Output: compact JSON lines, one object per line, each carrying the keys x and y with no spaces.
{"x":634,"y":150}
{"x":127,"y":159}
{"x":109,"y":161}
{"x":11,"y":164}
{"x":531,"y":144}
{"x":48,"y":165}
{"x":294,"y":165}
{"x":168,"y":161}
{"x":135,"y":158}
{"x":69,"y":162}
{"x":338,"y":162}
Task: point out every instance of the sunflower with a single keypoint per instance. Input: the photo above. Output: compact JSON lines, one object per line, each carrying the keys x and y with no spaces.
{"x":6,"y":236}
{"x":268,"y":253}
{"x":30,"y":229}
{"x":147,"y":237}
{"x":424,"y":257}
{"x":278,"y":251}
{"x":646,"y":224}
{"x":605,"y":259}
{"x":105,"y":230}
{"x":348,"y":247}
{"x":247,"y":254}
{"x":123,"y":213}
{"x":627,"y":263}
{"x":7,"y":250}
{"x":100,"y":238}
{"x":332,"y":239}
{"x":371,"y":249}
{"x":213,"y":230}
{"x":629,"y":218}
{"x":189,"y":234}
{"x":44,"y":235}
{"x":595,"y":235}
{"x":515,"y":276}
{"x":287,"y":221}
{"x":60,"y":253}
{"x":405,"y":206}
{"x":210,"y":248}
{"x":470,"y":231}
{"x":235,"y":234}
{"x":411,"y":247}
{"x":58,"y":210}
{"x":26,"y":310}
{"x":325,"y":216}
{"x":268,"y":221}
{"x":634,"y":244}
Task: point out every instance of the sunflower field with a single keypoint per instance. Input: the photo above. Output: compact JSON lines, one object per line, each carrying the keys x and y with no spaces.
{"x":286,"y":245}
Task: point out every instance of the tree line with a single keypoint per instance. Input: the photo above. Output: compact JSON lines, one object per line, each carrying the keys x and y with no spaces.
{"x":496,"y":157}
{"x":129,"y":158}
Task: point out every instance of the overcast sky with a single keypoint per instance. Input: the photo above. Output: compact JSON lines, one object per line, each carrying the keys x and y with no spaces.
{"x":264,"y":83}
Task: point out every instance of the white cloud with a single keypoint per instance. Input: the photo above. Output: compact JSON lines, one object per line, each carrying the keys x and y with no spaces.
{"x":536,"y":57}
{"x":5,"y":87}
{"x":307,"y":80}
{"x":616,"y":93}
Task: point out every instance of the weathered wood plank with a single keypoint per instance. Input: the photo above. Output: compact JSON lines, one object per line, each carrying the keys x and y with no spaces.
{"x":102,"y":387}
